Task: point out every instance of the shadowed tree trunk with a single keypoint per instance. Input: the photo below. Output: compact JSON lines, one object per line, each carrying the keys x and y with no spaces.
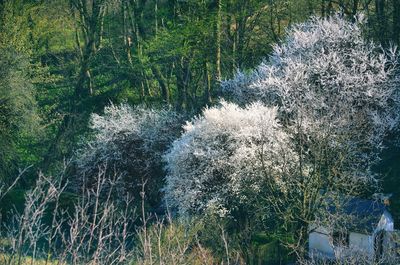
{"x":381,"y":20}
{"x":218,"y":40}
{"x":396,"y":21}
{"x":89,"y":17}
{"x":162,"y":83}
{"x":182,"y":74}
{"x":207,"y":83}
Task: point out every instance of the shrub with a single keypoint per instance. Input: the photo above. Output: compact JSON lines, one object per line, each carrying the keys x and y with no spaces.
{"x":130,"y":141}
{"x":215,"y":165}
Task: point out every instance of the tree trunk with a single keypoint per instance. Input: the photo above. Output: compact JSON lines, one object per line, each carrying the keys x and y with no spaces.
{"x":241,"y":33}
{"x":207,"y":81}
{"x":156,"y":17}
{"x":354,"y":8}
{"x":162,"y":82}
{"x":182,"y":73}
{"x":218,"y":36}
{"x":396,"y":21}
{"x":180,"y":86}
{"x":381,"y":20}
{"x":231,"y":38}
{"x":329,"y":8}
{"x":89,"y":16}
{"x":310,"y":7}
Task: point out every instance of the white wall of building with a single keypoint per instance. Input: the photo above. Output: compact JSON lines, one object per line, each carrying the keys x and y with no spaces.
{"x":319,"y":243}
{"x":361,"y":243}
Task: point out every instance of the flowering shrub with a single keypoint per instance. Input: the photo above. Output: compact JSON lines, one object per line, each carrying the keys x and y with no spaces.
{"x":131,"y":142}
{"x":222,"y":155}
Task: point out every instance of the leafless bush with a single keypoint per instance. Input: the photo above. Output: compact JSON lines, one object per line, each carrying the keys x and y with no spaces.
{"x":97,"y":231}
{"x":27,"y":229}
{"x":100,"y":229}
{"x":176,"y":242}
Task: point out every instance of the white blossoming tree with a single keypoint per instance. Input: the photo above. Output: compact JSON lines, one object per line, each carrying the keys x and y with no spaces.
{"x":339,"y":98}
{"x":223,"y":156}
{"x":329,"y":83}
{"x":130,"y":142}
{"x":336,"y":97}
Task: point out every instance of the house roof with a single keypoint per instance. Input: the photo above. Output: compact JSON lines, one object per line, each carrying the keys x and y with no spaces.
{"x":358,"y":215}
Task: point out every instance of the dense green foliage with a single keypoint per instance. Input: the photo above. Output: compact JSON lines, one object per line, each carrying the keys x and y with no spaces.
{"x":70,"y":58}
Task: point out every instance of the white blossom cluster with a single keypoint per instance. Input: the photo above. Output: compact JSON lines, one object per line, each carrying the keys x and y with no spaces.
{"x":130,"y":141}
{"x":326,"y":99}
{"x":217,"y":157}
{"x":332,"y":85}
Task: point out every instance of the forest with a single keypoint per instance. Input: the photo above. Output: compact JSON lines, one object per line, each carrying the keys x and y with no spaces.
{"x":194,"y":131}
